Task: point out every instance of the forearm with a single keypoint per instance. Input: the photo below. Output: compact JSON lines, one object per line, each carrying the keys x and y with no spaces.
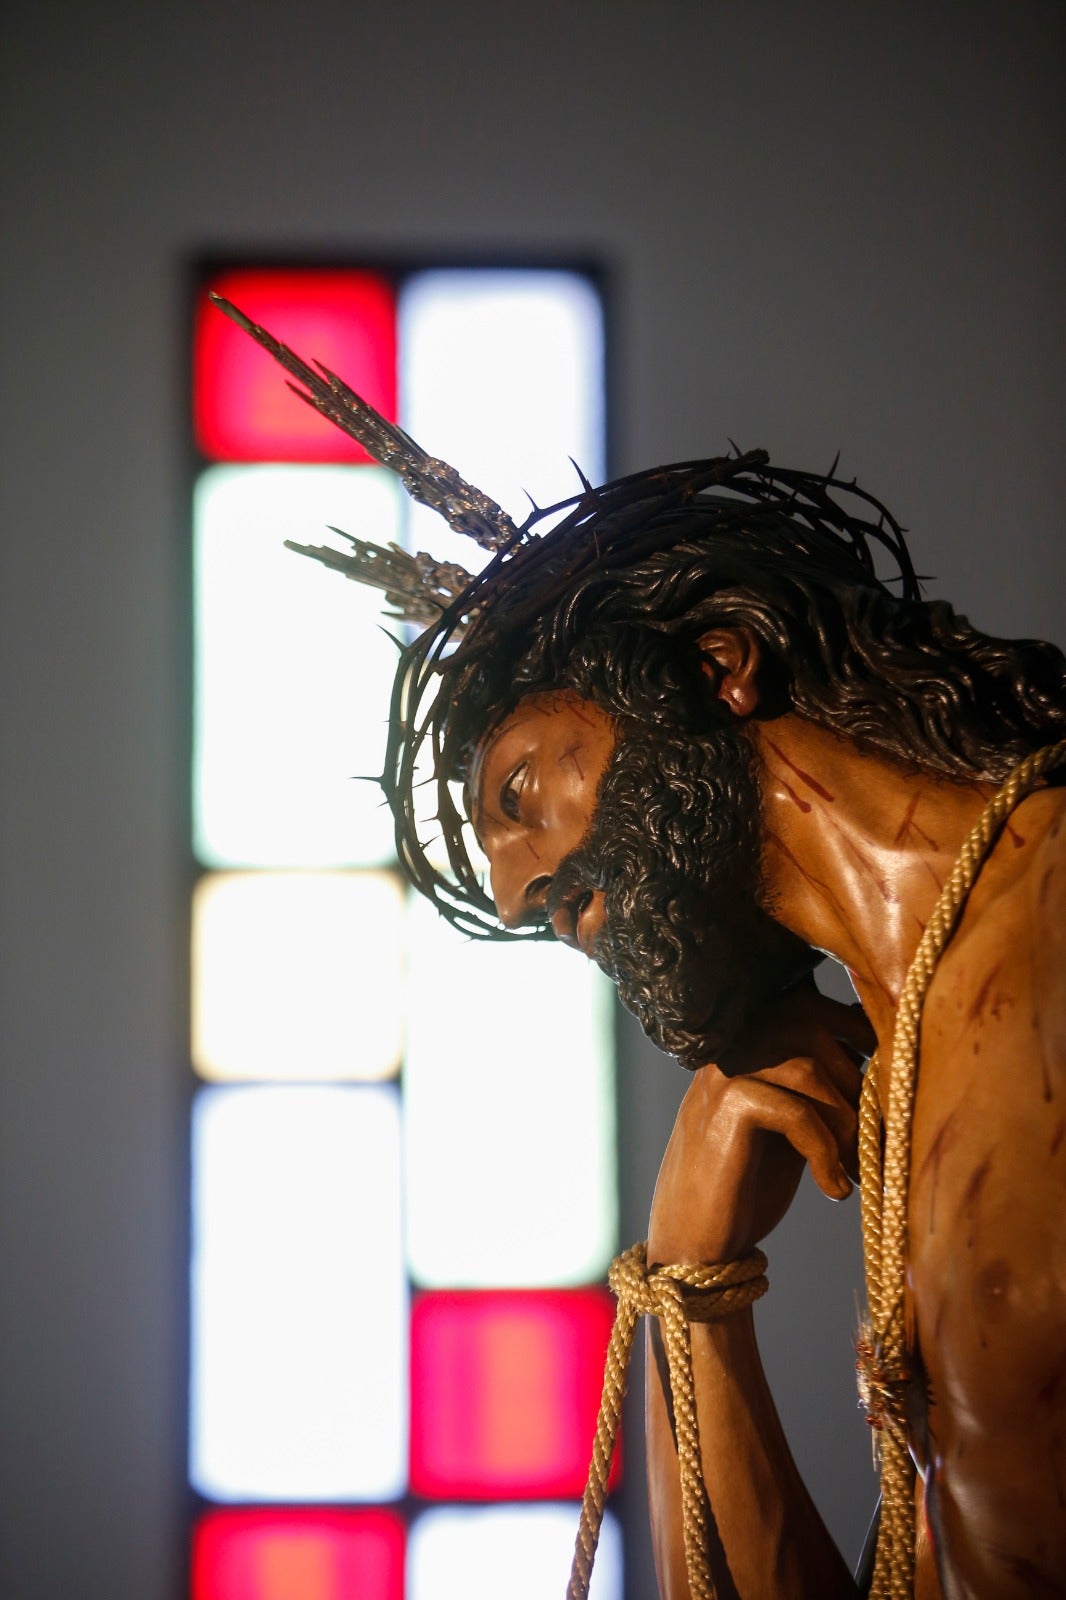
{"x":767,"y":1541}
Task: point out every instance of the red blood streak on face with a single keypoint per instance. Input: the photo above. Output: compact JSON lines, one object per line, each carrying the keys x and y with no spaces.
{"x":570,"y":755}
{"x":582,"y":716}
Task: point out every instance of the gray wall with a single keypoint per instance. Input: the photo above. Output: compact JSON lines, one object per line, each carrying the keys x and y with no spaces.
{"x":831,"y":226}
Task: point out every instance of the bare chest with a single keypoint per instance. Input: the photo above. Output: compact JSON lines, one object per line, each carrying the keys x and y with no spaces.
{"x":987,"y":1204}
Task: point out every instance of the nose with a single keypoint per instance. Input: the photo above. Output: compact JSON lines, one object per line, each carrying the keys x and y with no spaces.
{"x":519,"y":886}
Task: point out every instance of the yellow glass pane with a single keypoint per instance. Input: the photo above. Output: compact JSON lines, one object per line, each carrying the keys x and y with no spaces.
{"x":297,"y":976}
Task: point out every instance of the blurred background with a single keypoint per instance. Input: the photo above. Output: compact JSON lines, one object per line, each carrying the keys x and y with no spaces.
{"x":820,"y":228}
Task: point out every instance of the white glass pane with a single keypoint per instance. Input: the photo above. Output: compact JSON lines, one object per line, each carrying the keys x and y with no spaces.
{"x":521,"y":1551}
{"x":292,"y":670}
{"x":297,"y":975}
{"x":509,"y":1107}
{"x":299,"y":1314}
{"x":501,"y":373}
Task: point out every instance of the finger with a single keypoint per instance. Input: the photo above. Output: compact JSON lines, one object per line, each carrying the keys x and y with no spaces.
{"x":825,"y":1061}
{"x":805,"y":1076}
{"x":842,"y":1064}
{"x":809,"y":1076}
{"x":796,"y":1119}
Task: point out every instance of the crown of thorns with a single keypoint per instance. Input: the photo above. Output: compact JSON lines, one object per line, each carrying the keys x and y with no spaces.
{"x":465,"y":619}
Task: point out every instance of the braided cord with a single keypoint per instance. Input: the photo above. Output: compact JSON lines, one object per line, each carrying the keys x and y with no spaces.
{"x":884,"y":1189}
{"x":679,"y":1295}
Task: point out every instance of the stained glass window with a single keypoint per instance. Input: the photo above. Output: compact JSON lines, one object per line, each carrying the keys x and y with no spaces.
{"x":397,"y":1221}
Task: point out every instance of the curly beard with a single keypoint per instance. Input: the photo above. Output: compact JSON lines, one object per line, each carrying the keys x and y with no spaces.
{"x":674,"y":846}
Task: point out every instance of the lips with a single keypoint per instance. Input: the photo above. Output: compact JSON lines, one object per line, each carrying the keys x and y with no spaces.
{"x":590,"y":923}
{"x":578,"y":921}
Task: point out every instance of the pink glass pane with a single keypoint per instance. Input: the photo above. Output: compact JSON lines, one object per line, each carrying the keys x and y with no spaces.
{"x":298,"y":1555}
{"x":505,"y":1386}
{"x":242,"y":408}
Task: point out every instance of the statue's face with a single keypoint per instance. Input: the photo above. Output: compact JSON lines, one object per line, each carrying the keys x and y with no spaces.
{"x":640,"y":845}
{"x":533,"y":796}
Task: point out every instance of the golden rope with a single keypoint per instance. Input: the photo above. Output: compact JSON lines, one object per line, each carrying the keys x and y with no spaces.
{"x":884,"y":1187}
{"x":679,"y":1295}
{"x":684,"y":1294}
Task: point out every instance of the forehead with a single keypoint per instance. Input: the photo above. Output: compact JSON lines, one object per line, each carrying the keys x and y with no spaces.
{"x":537,"y":725}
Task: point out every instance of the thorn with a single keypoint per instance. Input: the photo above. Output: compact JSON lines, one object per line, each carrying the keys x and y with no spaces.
{"x":351,"y":537}
{"x":302,"y":394}
{"x":832,"y":470}
{"x":341,"y":389}
{"x":585,"y":484}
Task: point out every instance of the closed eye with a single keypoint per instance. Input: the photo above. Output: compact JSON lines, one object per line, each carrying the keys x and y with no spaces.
{"x":511,"y":793}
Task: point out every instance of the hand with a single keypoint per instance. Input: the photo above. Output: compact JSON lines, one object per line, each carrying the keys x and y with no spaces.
{"x":786,"y":1093}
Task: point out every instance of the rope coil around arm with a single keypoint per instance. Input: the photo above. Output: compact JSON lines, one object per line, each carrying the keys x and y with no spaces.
{"x":883,"y":1369}
{"x":678,"y":1295}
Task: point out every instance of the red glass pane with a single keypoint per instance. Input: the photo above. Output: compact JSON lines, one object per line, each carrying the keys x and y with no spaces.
{"x":504,"y":1392}
{"x":298,"y":1555}
{"x":242,"y":407}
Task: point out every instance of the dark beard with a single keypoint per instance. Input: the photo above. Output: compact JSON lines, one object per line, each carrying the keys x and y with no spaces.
{"x":674,"y":845}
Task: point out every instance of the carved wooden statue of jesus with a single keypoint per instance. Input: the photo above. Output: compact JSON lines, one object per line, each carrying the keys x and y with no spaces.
{"x":702,"y":740}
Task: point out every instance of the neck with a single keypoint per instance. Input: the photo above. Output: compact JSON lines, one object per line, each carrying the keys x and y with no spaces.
{"x":856,"y":850}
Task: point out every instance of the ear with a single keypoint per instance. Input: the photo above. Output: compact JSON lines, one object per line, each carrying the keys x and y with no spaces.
{"x":731,"y":659}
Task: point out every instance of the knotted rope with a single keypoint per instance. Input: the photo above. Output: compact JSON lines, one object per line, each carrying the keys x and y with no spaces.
{"x":883,"y":1371}
{"x":679,"y":1295}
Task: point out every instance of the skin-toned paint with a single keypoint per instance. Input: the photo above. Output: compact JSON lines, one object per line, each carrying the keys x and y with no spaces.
{"x":534,"y":788}
{"x":855,"y":848}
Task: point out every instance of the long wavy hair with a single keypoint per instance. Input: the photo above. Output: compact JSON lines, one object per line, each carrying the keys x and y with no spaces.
{"x":613,"y":600}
